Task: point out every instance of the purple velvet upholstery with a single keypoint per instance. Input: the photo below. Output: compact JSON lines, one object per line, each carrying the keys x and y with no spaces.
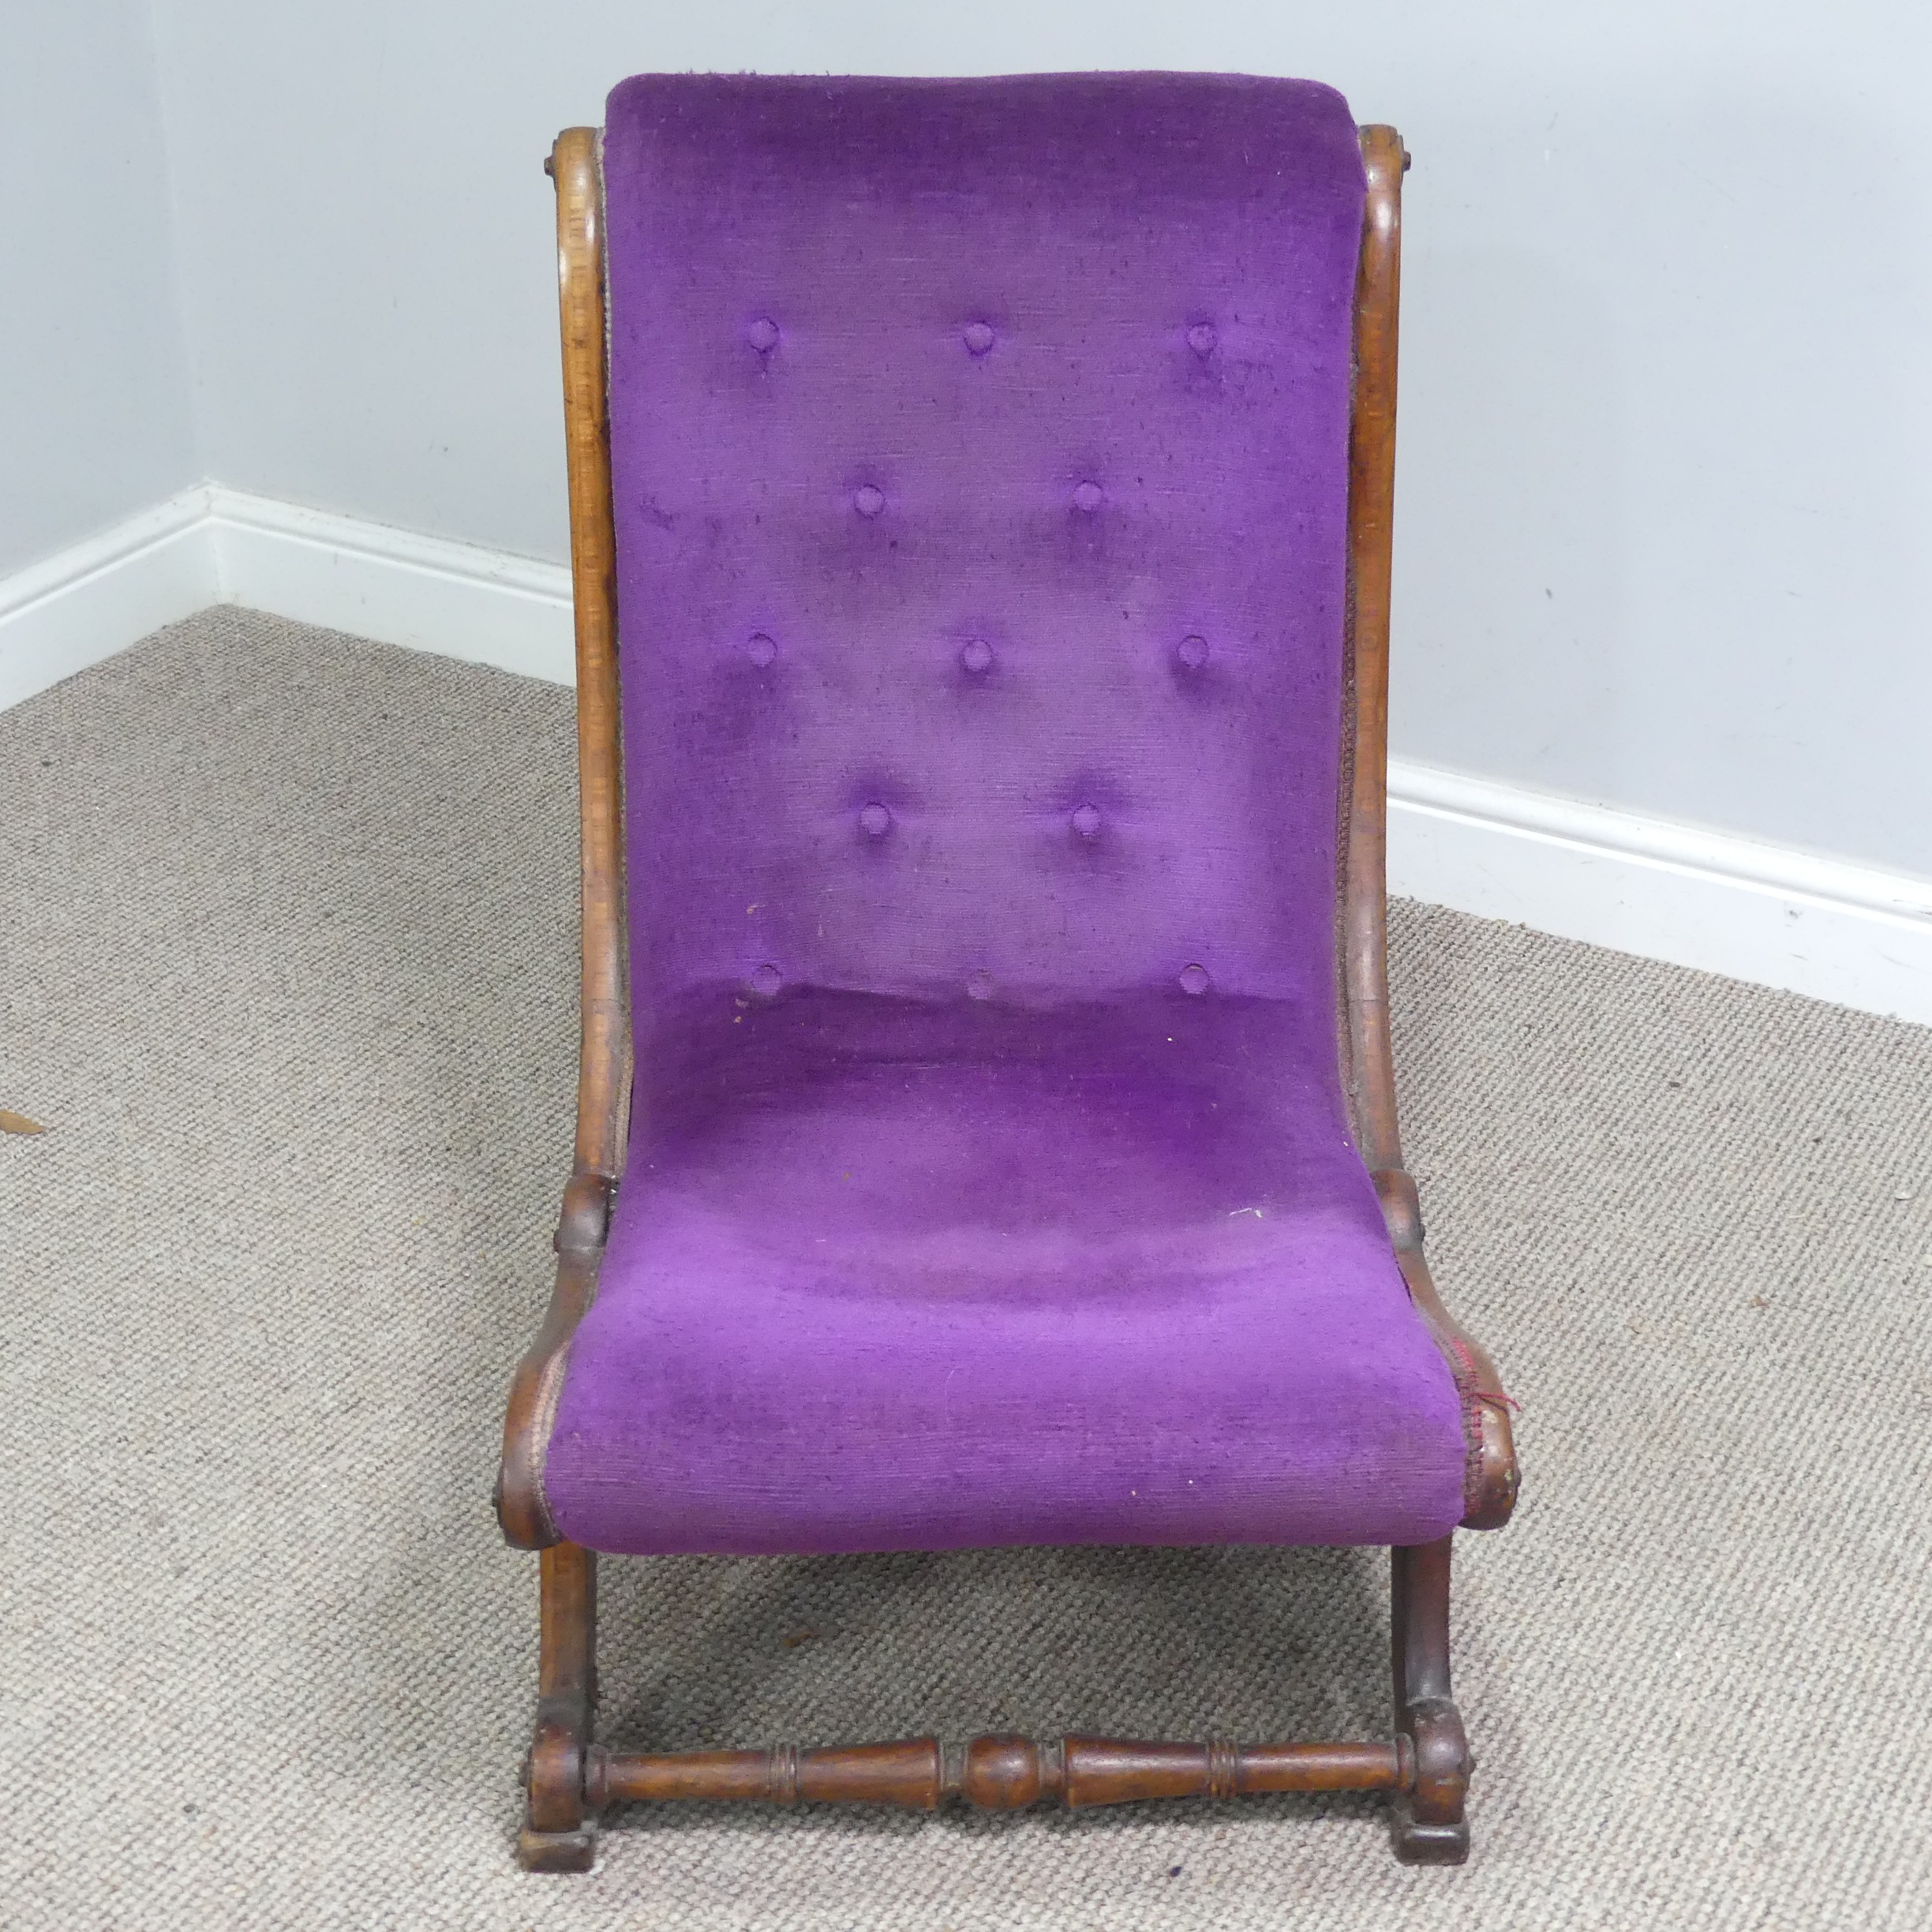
{"x":980,"y":460}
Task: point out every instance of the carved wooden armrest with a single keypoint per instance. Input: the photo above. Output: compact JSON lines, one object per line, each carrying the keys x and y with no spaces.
{"x":1491,"y":1481}
{"x":581,"y":1228}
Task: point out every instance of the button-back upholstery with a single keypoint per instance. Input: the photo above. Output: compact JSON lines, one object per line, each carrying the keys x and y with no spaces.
{"x":980,"y":462}
{"x":980,"y":458}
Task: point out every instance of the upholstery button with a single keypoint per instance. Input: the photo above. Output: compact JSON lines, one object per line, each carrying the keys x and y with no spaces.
{"x":868,"y":500}
{"x":1087,"y":496}
{"x":875,"y":820}
{"x":1192,"y":652}
{"x":766,"y":979}
{"x":1086,"y":822}
{"x":761,"y":650}
{"x":1193,"y":979}
{"x":976,"y":655}
{"x":1201,"y":338}
{"x":980,"y":985}
{"x":978,"y":338}
{"x":763,"y":334}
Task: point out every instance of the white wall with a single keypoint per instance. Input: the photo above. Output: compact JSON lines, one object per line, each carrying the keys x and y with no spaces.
{"x":1665,"y":467}
{"x":94,"y":417}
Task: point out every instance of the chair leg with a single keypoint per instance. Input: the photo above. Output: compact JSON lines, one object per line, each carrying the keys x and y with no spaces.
{"x":559,"y":1833}
{"x":1426,"y":1820}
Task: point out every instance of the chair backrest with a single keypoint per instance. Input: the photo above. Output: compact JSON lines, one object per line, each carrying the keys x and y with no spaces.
{"x":980,"y":464}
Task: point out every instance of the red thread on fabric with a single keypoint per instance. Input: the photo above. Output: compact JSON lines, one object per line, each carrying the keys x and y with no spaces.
{"x":1467,"y":1356}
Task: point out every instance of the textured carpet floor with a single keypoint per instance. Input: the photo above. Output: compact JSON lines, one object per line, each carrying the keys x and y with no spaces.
{"x":286,"y":959}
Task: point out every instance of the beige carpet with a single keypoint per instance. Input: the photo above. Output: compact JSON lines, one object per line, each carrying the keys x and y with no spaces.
{"x":286,"y":958}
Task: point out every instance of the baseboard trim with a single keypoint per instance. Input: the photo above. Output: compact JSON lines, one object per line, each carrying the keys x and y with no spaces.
{"x":212,"y":545}
{"x":1661,"y":889}
{"x":397,"y":586}
{"x":98,"y":597}
{"x":1829,"y":928}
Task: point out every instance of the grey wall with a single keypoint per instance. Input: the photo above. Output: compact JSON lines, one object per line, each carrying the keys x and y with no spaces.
{"x":1665,"y":467}
{"x":94,"y":417}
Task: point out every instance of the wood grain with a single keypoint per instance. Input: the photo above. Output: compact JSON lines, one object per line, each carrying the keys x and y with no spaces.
{"x":1367,"y":1053}
{"x":996,"y":1772}
{"x":603,"y":1074}
{"x":604,"y":1047}
{"x":1427,"y":1818}
{"x":558,"y":1833}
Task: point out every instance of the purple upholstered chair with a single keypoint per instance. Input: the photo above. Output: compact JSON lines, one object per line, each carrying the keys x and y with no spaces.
{"x":990,"y":490}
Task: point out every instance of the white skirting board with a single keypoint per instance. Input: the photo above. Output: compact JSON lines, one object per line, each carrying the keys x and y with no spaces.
{"x":1663,"y":890}
{"x":427,"y":592}
{"x":70,"y":611}
{"x":211,"y":545}
{"x":1829,"y":928}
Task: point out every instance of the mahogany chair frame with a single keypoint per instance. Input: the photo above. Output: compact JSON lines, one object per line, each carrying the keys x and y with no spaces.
{"x":568,"y":1777}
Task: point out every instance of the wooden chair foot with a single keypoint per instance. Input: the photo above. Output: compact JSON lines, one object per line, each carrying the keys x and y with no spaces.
{"x":1427,"y":1820}
{"x":556,"y":1850}
{"x":560,"y":1825}
{"x":1418,"y":1843}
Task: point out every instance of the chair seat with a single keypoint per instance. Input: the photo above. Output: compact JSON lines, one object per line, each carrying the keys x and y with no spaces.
{"x":888,"y":1273}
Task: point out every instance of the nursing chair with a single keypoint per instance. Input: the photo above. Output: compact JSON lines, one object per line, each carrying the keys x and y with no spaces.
{"x":980,"y":500}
